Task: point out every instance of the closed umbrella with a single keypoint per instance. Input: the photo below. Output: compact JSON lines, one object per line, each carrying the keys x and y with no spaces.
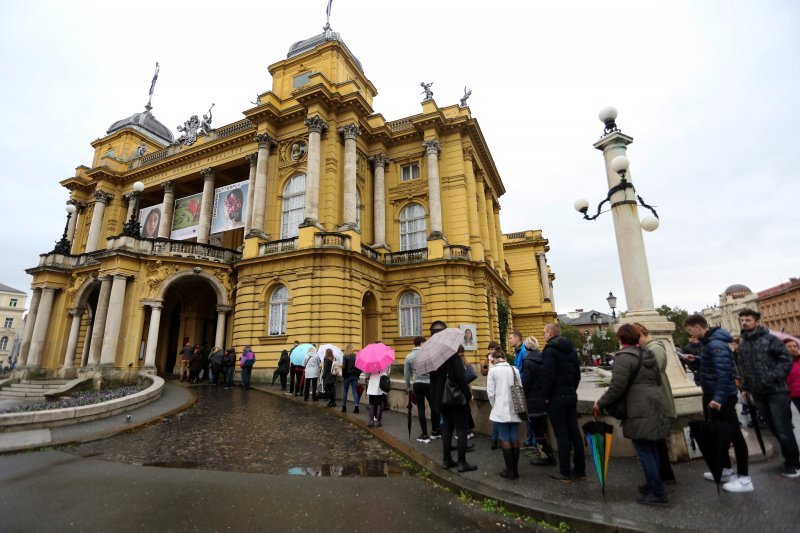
{"x":438,"y":349}
{"x":375,"y":357}
{"x":598,"y":436}
{"x":754,"y":417}
{"x":298,"y":355}
{"x":412,"y":400}
{"x":338,"y":354}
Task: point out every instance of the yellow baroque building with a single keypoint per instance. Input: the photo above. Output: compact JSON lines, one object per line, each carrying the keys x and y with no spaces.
{"x":312,"y":219}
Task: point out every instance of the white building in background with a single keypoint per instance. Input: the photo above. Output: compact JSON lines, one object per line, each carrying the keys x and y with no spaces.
{"x":726,"y":314}
{"x":12,"y":311}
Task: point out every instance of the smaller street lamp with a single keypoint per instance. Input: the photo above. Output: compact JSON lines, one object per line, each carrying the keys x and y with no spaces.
{"x":64,"y":246}
{"x":132,"y":227}
{"x":612,"y":303}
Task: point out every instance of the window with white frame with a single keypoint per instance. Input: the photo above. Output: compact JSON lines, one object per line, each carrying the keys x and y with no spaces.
{"x":8,"y":323}
{"x":4,"y":343}
{"x":12,"y":302}
{"x":294,"y":202}
{"x":409,"y":172}
{"x":278,"y":304}
{"x":412,"y":227}
{"x":410,"y":314}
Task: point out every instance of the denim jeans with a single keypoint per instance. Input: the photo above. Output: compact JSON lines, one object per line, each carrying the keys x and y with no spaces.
{"x":229,"y":376}
{"x":647,"y":451}
{"x":246,"y":371}
{"x":350,"y":384}
{"x":777,"y":410}
{"x":508,"y":431}
{"x":530,"y":438}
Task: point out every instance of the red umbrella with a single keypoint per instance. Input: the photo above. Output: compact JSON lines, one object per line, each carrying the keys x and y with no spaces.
{"x":375,"y":357}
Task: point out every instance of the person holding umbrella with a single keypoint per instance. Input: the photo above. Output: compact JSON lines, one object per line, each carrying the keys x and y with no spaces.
{"x":421,"y":390}
{"x":635,"y":381}
{"x":498,"y":388}
{"x":375,"y":360}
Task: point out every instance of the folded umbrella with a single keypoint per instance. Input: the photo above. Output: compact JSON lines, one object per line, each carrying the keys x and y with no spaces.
{"x":437,"y":349}
{"x":714,"y":439}
{"x":598,"y":436}
{"x":299,"y":353}
{"x":375,"y":357}
{"x":411,"y":401}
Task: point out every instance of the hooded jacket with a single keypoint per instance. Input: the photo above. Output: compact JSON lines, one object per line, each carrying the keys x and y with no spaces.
{"x":562,"y":370}
{"x":765,"y":362}
{"x":532,"y":376}
{"x":647,"y":409}
{"x":717,"y":369}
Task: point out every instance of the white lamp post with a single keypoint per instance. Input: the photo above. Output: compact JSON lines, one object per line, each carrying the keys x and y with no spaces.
{"x":132,"y":227}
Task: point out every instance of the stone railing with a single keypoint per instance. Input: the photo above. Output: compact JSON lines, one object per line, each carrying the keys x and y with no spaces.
{"x":232,"y":129}
{"x":456,"y":251}
{"x":152,"y":158}
{"x":400,"y":125}
{"x":171,"y":248}
{"x":53,"y":259}
{"x":331,"y":239}
{"x":276,"y":247}
{"x":372,"y":253}
{"x":407,"y":256}
{"x":517,"y":235}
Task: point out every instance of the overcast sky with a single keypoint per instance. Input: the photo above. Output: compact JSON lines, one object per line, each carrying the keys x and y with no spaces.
{"x":708,"y":90}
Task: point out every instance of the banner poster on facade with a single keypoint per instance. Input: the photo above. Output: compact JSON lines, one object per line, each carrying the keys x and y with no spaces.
{"x":230,"y":205}
{"x":187,"y":217}
{"x":470,"y":336}
{"x":150,"y":218}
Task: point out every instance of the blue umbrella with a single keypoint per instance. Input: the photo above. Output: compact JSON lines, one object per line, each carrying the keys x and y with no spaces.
{"x":298,"y":355}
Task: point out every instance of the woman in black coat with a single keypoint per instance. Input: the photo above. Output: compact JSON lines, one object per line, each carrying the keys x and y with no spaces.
{"x":455,"y":418}
{"x":283,"y":368}
{"x":532,"y":377}
{"x":328,"y":379}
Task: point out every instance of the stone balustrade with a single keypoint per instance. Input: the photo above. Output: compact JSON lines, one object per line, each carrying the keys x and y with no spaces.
{"x":332,"y":239}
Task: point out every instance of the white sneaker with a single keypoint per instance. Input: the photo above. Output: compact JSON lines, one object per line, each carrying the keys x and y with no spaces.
{"x":739,"y":484}
{"x":727,"y":474}
{"x":791,"y":472}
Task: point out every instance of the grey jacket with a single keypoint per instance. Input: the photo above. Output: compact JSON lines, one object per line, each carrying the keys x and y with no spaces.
{"x":658,"y":349}
{"x":647,"y":409}
{"x":764,"y":362}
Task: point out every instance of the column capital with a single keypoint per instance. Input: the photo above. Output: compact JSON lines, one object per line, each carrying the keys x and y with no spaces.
{"x":80,"y":207}
{"x":469,"y":153}
{"x":76,"y":312}
{"x":350,"y":131}
{"x":252,"y":159}
{"x":168,"y":186}
{"x":432,"y":147}
{"x":264,"y":141}
{"x":119,"y":275}
{"x":208,"y":174}
{"x":379,"y":160}
{"x":157,"y":305}
{"x":316,"y":124}
{"x":223,"y":309}
{"x":102,"y":197}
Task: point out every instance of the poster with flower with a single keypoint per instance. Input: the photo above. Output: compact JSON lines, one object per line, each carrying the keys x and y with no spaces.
{"x":230,"y":206}
{"x":186,"y":219}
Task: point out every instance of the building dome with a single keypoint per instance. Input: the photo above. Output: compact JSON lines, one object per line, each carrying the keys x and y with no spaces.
{"x":146,"y":123}
{"x":737,"y":290}
{"x":301,"y":47}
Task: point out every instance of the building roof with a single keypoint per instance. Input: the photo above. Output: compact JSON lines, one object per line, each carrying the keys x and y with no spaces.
{"x":585,"y":318}
{"x":738,"y":289}
{"x":146,"y":123}
{"x":777,"y":289}
{"x":301,"y":47}
{"x":6,"y":288}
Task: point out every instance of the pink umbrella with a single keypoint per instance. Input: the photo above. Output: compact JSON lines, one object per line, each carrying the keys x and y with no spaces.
{"x":783,"y":336}
{"x":375,"y":357}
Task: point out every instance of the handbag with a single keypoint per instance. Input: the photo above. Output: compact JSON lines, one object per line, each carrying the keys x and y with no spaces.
{"x":336,"y":369}
{"x":385,"y":384}
{"x":619,"y":409}
{"x":518,"y":397}
{"x":469,"y":372}
{"x":452,"y":395}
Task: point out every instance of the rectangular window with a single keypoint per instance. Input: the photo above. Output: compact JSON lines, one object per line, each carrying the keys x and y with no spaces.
{"x":8,"y":323}
{"x":12,"y":302}
{"x":409,"y":172}
{"x":302,"y":79}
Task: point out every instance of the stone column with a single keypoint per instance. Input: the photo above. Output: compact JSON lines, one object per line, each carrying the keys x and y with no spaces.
{"x":152,"y":334}
{"x":483,"y":219}
{"x":379,"y":200}
{"x":27,"y":334}
{"x":99,"y":323}
{"x":265,"y":144}
{"x":493,"y":233}
{"x":501,"y":253}
{"x":72,"y":342}
{"x":206,"y":205}
{"x":219,"y":338}
{"x":165,"y":225}
{"x":350,"y":133}
{"x":100,"y":200}
{"x":434,"y":192}
{"x":86,"y":345}
{"x":472,"y":202}
{"x":316,"y":126}
{"x":40,"y":328}
{"x":252,"y":159}
{"x":545,"y":279}
{"x":116,"y":304}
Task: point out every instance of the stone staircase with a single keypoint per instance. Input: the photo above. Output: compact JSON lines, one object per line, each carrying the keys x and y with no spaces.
{"x":29,"y":389}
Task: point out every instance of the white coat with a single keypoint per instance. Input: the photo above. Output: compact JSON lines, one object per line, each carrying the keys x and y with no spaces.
{"x":498,"y":388}
{"x":374,"y":384}
{"x":311,"y":362}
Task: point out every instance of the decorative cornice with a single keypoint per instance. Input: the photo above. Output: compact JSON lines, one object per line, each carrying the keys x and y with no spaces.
{"x":379,"y":160}
{"x":432,"y":147}
{"x":264,"y":141}
{"x":350,"y":132}
{"x":315,"y":124}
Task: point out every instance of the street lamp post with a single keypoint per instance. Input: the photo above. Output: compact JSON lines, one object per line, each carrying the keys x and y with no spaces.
{"x":132,"y":228}
{"x":612,"y":303}
{"x":64,"y":246}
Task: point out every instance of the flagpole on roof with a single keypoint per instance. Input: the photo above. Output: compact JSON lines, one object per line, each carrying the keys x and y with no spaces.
{"x":149,"y":105}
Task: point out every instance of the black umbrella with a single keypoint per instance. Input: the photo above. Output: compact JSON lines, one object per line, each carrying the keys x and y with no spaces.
{"x":275,"y":375}
{"x":714,"y":439}
{"x":751,"y":408}
{"x":411,"y":401}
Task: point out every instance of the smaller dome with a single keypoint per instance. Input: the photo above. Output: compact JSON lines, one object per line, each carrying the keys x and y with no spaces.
{"x":300,"y":47}
{"x":146,"y":123}
{"x":738,"y":290}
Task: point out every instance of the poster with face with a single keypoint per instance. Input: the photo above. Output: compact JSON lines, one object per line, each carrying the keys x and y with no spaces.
{"x":470,"y":341}
{"x":150,"y":218}
{"x":187,"y":217}
{"x":230,"y":206}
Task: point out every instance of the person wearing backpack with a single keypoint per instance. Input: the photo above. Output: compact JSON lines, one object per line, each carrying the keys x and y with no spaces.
{"x":246,"y":364}
{"x":311,"y":364}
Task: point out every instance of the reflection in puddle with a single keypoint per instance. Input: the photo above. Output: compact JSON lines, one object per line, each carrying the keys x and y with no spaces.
{"x":364,"y":469}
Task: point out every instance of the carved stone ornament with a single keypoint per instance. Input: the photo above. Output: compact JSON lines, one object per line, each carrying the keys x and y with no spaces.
{"x":224,"y":277}
{"x":351,"y":131}
{"x":168,"y":186}
{"x":432,"y":147}
{"x":77,"y":283}
{"x":379,"y":160}
{"x":157,"y":272}
{"x":102,"y":197}
{"x":298,"y":150}
{"x":316,"y":124}
{"x":252,"y":159}
{"x":208,"y":174}
{"x":189,"y":131}
{"x":80,"y":207}
{"x":264,"y":141}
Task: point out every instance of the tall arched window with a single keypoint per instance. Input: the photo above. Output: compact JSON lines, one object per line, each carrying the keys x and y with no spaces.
{"x":278,"y":304}
{"x":4,"y":343}
{"x":410,"y":314}
{"x":294,"y":202}
{"x":412,"y":227}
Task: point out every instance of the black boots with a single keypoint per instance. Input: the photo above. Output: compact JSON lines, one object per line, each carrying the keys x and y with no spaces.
{"x":511,"y":459}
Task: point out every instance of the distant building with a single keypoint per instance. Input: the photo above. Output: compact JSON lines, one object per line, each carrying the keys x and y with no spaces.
{"x":587,"y":321}
{"x":726,"y":314}
{"x":780,"y":307}
{"x":12,"y":309}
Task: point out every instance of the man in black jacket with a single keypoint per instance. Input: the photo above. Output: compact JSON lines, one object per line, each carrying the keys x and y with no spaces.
{"x":561,"y":374}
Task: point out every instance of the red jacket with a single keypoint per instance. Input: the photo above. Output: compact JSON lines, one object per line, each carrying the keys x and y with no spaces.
{"x":793,"y":379}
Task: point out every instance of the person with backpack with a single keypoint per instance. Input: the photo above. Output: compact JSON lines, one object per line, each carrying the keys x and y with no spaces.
{"x":246,"y":364}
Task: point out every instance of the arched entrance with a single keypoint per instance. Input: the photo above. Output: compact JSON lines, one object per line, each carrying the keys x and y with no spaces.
{"x":370,"y":319}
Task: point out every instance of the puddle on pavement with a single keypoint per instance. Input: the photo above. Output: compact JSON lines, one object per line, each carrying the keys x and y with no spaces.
{"x":251,"y":432}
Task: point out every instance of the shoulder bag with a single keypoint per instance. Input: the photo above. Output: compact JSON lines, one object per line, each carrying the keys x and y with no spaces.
{"x":518,"y":397}
{"x":385,"y":383}
{"x":452,"y":395}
